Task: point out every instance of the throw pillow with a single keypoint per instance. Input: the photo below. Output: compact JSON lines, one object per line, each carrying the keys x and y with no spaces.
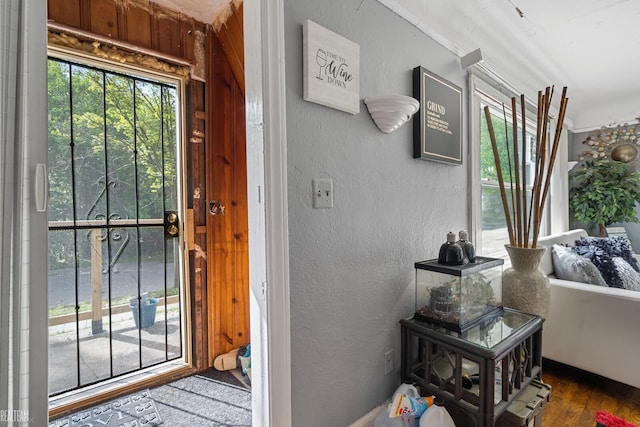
{"x":568,"y":265}
{"x":614,"y":246}
{"x":630,"y":277}
{"x":603,"y":262}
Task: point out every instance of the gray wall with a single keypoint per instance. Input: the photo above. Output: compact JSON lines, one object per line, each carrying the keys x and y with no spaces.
{"x":352,"y":276}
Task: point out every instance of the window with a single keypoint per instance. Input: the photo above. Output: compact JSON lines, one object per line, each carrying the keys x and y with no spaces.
{"x":488,"y":219}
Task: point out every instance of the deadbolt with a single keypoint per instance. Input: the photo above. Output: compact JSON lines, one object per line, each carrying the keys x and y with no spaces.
{"x":171,"y":224}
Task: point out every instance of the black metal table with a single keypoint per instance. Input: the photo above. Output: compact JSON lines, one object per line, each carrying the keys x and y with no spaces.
{"x":481,"y":370}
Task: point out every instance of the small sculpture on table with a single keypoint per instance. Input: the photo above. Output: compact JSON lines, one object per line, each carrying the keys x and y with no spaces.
{"x":468,"y":251}
{"x":451,"y":253}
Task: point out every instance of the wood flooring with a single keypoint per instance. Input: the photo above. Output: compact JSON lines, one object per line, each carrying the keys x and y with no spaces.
{"x":577,"y":395}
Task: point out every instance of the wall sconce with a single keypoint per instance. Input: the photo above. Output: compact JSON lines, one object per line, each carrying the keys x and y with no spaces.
{"x":389,"y":112}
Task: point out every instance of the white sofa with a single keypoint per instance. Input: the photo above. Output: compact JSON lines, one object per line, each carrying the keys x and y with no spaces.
{"x":593,"y":328}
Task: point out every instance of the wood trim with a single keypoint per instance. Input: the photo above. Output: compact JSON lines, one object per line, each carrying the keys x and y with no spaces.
{"x":196,"y":199}
{"x":190,"y":232}
{"x":85,"y":36}
{"x":100,"y":397}
{"x":139,"y":23}
{"x":199,"y":307}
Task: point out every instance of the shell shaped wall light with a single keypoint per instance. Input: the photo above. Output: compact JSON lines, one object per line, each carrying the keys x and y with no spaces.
{"x":389,"y":112}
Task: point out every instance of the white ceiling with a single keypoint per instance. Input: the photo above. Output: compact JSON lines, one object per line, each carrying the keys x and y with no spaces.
{"x":590,"y":46}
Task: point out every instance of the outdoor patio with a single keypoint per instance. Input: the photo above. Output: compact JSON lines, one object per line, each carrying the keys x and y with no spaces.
{"x":98,"y":353}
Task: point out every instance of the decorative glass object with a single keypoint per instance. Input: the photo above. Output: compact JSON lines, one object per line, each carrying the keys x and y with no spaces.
{"x":456,"y":296}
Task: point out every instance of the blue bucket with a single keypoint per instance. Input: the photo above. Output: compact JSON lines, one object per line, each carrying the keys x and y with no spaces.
{"x":148,"y":314}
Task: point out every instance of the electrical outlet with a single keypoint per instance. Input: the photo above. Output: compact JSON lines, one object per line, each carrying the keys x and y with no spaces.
{"x":388,"y":361}
{"x":322,"y":193}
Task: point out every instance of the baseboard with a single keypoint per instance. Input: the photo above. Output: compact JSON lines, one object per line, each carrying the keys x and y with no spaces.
{"x":369,"y":418}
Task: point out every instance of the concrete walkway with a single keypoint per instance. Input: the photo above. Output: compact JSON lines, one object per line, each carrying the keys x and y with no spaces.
{"x":119,"y":349}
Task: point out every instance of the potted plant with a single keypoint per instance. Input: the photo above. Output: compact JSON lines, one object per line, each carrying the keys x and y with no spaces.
{"x":604,"y":192}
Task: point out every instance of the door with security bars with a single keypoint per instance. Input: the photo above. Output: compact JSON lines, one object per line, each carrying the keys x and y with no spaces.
{"x":115,"y":281}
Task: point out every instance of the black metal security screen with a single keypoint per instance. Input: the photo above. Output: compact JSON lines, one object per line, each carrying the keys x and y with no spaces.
{"x":114,"y":247}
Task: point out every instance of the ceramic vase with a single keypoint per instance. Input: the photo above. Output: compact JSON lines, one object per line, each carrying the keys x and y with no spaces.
{"x":524,"y":286}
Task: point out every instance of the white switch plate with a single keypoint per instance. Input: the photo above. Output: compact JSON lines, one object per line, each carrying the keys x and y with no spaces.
{"x":322,"y":193}
{"x":388,"y":361}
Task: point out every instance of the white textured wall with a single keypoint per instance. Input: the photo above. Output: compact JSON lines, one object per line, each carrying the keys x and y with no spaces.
{"x":351,"y":267}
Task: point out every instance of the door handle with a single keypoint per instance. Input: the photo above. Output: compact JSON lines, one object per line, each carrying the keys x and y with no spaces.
{"x":40,"y":186}
{"x":216,"y":208}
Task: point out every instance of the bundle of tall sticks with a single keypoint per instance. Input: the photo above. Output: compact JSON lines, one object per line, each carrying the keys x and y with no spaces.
{"x":527,"y":215}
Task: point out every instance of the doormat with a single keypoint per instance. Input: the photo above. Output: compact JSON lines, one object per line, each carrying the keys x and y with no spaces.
{"x":133,"y":410}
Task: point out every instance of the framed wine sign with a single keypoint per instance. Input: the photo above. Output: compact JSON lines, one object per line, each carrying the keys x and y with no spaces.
{"x":437,"y":132}
{"x":331,"y":68}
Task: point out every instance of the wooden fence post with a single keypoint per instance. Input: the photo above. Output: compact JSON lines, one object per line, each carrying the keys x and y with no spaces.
{"x":96,"y":281}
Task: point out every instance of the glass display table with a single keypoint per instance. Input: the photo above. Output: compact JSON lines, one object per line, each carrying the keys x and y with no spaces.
{"x":481,"y":370}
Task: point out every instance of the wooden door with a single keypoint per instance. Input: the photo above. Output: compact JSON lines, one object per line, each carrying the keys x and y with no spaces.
{"x":226,"y":200}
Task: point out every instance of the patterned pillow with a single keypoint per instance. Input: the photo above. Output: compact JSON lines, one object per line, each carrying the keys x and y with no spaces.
{"x":630,"y":277}
{"x":614,"y":246}
{"x":568,"y":265}
{"x":603,"y":262}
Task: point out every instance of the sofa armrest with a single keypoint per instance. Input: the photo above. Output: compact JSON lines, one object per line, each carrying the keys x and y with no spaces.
{"x":594,"y":328}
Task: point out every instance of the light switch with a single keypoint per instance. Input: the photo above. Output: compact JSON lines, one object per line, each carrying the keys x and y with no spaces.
{"x":322,"y":193}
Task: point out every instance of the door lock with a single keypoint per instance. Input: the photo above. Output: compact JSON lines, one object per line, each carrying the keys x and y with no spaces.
{"x":171,"y":224}
{"x":216,"y":208}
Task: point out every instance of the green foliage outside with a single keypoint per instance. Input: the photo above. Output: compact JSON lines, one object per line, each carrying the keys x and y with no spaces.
{"x":604,"y":192}
{"x":487,"y":162}
{"x":112,"y":138}
{"x":492,"y":210}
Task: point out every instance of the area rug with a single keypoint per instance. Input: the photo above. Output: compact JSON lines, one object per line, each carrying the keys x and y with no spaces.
{"x":203,"y":402}
{"x":136,"y":409}
{"x":233,"y":377}
{"x":605,"y":419}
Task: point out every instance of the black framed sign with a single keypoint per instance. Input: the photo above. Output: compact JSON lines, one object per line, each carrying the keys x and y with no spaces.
{"x":437,"y":131}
